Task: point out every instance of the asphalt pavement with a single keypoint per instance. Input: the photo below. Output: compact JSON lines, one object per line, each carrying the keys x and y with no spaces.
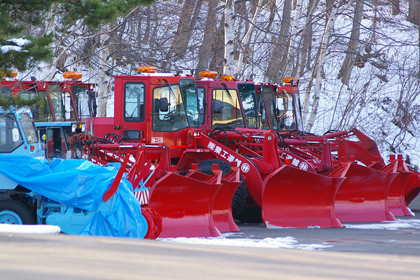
{"x":355,"y":254}
{"x":354,"y":237}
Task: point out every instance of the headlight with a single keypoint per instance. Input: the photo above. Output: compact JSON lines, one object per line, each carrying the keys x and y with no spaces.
{"x":73,"y":127}
{"x":83,"y":127}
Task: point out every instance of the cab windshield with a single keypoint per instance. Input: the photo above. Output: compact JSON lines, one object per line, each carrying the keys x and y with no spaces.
{"x":28,"y":128}
{"x":226,"y":109}
{"x":10,"y":136}
{"x":56,"y":101}
{"x":43,"y":109}
{"x":269,"y":102}
{"x":247,"y":94}
{"x":69,"y":108}
{"x":190,"y":96}
{"x":81,"y":98}
{"x":168,"y":106}
{"x":262,"y":113}
{"x":285,"y":108}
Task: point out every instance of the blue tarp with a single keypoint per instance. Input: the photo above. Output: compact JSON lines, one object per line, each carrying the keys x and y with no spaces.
{"x":81,"y":184}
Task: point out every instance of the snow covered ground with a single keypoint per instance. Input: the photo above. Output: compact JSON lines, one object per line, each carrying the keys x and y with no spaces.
{"x":291,"y":242}
{"x":278,"y":242}
{"x":32,"y":229}
{"x":231,"y":239}
{"x":395,"y":225}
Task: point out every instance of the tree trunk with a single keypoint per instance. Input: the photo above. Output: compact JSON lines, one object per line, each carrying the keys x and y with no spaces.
{"x":348,"y":64}
{"x":146,"y":33}
{"x":247,"y":37}
{"x":414,"y":11}
{"x":204,"y":52}
{"x":183,"y":34}
{"x":229,"y":56}
{"x":271,"y":6}
{"x":395,"y":7}
{"x":305,"y":48}
{"x":290,"y":54}
{"x":318,"y":67}
{"x":49,"y":72}
{"x":414,"y":17}
{"x":275,"y":67}
{"x":152,"y":44}
{"x":217,"y":61}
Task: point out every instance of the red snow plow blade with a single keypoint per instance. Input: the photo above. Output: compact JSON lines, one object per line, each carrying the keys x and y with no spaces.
{"x":185,"y":206}
{"x":413,"y":188}
{"x":222,"y":203}
{"x":395,"y":197}
{"x":362,"y":197}
{"x":299,"y":199}
{"x":397,"y":189}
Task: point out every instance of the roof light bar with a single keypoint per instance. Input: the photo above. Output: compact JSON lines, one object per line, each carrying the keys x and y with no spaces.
{"x":8,"y":73}
{"x":290,"y":80}
{"x":146,"y":69}
{"x":208,"y":74}
{"x":227,"y":78}
{"x":72,"y":75}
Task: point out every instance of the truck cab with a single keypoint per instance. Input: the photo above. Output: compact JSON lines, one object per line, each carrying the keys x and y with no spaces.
{"x":234,"y":104}
{"x":18,"y":136}
{"x":153,"y":109}
{"x":282,"y":105}
{"x":57,"y":114}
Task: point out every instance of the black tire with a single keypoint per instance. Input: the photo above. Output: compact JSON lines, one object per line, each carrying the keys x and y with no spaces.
{"x":12,"y":208}
{"x":239,"y":198}
{"x":251,"y":212}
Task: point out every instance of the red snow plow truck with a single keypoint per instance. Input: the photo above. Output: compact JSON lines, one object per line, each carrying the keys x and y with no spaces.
{"x":207,"y":152}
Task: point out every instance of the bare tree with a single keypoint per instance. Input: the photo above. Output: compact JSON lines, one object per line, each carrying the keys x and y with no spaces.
{"x":229,"y":56}
{"x":305,"y":46}
{"x":276,"y":65}
{"x":292,"y":49}
{"x":347,"y":67}
{"x":187,"y":21}
{"x":247,"y":37}
{"x":205,"y":49}
{"x":316,"y":73}
{"x":414,"y":17}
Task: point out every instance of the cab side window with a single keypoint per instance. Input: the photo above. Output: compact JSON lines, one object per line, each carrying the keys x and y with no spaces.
{"x":134,"y":109}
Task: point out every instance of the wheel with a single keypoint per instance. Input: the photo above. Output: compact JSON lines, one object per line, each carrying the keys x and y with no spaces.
{"x":15,"y":212}
{"x":251,"y":212}
{"x":154,"y":222}
{"x":239,"y":198}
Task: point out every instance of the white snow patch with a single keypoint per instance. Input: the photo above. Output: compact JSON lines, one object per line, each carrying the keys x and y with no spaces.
{"x":278,"y":242}
{"x":19,"y":42}
{"x":389,"y":225}
{"x":6,"y":49}
{"x":34,"y":229}
{"x":268,"y":225}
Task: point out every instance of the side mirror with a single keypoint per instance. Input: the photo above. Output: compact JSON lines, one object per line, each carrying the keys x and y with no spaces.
{"x":92,"y":103}
{"x":15,"y":135}
{"x":261,"y":107}
{"x":164,"y":104}
{"x":217,"y":106}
